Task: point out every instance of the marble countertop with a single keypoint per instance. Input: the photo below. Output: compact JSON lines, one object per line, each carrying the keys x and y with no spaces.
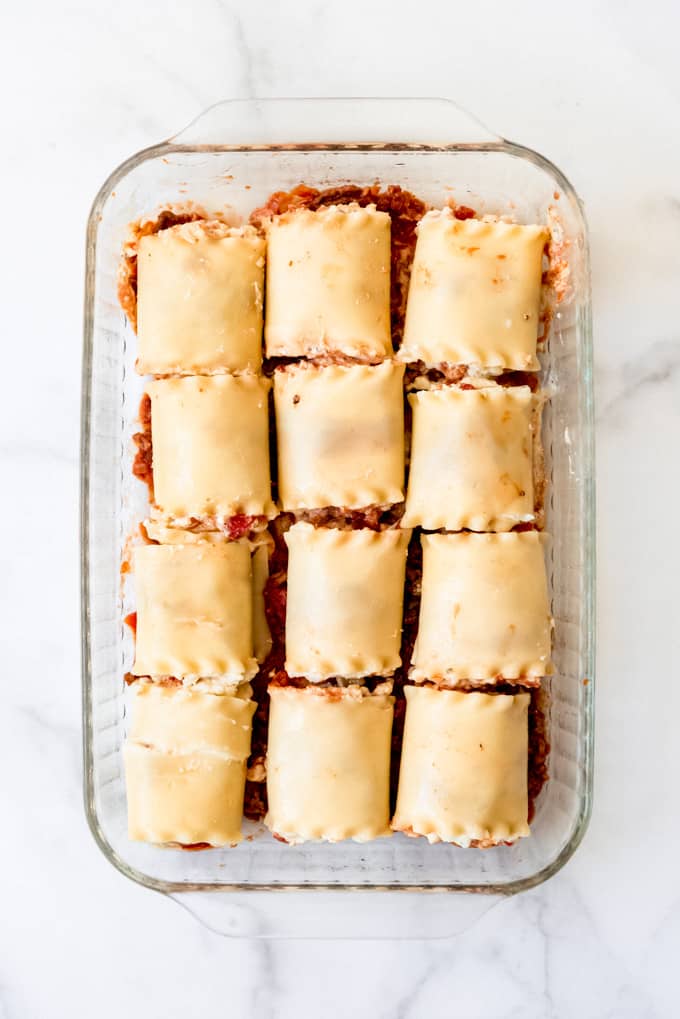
{"x":596,"y":88}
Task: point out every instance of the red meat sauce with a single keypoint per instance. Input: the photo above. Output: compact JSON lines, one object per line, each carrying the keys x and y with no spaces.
{"x":142,"y":466}
{"x":453,"y":374}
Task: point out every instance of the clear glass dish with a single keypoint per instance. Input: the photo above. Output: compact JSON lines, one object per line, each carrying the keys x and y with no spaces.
{"x":237,"y":153}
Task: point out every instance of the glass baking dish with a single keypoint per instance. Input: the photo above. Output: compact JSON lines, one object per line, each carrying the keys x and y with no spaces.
{"x":236,"y":154}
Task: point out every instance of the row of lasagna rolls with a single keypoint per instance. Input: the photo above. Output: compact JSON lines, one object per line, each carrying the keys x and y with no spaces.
{"x":474,"y":296}
{"x":484,"y":611}
{"x":201,"y":628}
{"x":463,"y":771}
{"x":201,"y":634}
{"x":461,"y":780}
{"x":475,"y":460}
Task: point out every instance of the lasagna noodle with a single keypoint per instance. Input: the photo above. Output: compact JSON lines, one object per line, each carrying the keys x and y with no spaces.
{"x":328,"y":283}
{"x":474,"y":295}
{"x":199,"y":299}
{"x":185,"y":764}
{"x":183,"y":798}
{"x":340,"y":434}
{"x":463,"y":773}
{"x":194,"y":611}
{"x":471,"y":459}
{"x":176,"y":719}
{"x":328,"y":764}
{"x":344,"y":602}
{"x":211,"y":446}
{"x":484,"y":612}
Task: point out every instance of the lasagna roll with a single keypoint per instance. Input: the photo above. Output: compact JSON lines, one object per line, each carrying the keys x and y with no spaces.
{"x":463,"y":772}
{"x":194,"y":611}
{"x":328,"y":283}
{"x":484,"y":611}
{"x":210,"y":437}
{"x":474,"y":295}
{"x":471,"y":458}
{"x":328,"y":763}
{"x":344,"y":602}
{"x":185,"y":764}
{"x":340,"y":435}
{"x":199,"y":299}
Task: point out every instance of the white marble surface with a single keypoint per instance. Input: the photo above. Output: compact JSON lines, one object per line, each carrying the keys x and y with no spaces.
{"x":596,"y":87}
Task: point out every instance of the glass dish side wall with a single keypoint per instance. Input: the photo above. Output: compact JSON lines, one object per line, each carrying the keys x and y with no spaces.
{"x":492,"y":177}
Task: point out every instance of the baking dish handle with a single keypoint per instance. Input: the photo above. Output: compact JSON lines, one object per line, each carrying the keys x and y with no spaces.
{"x":266,"y":123}
{"x":336,"y":914}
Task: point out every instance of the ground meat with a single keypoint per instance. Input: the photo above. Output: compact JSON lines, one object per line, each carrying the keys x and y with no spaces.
{"x":275,"y":610}
{"x":529,"y":379}
{"x":463,"y":211}
{"x":376,"y":518}
{"x":242,"y":524}
{"x":334,"y":688}
{"x":453,"y":374}
{"x":539,"y":746}
{"x":142,"y":466}
{"x":412,"y":588}
{"x":443,"y":374}
{"x":255,"y":800}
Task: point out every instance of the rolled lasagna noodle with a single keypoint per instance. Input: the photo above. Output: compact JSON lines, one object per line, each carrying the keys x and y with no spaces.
{"x":210,"y":439}
{"x":344,"y":602}
{"x":463,"y":772}
{"x":471,"y":459}
{"x":340,"y":434}
{"x":484,"y":611}
{"x":328,"y":283}
{"x":474,"y":294}
{"x":185,"y":764}
{"x":194,"y":611}
{"x":328,"y":764}
{"x":199,"y":299}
